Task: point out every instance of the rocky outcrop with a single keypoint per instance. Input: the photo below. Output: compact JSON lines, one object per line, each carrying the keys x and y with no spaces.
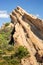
{"x":29,"y":33}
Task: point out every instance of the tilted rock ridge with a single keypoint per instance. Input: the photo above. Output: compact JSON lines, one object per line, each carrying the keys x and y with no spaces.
{"x":29,"y":33}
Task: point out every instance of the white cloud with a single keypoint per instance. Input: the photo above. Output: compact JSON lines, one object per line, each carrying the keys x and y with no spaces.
{"x":3,"y":14}
{"x":37,"y":15}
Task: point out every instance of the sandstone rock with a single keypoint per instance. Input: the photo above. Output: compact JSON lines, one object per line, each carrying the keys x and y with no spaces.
{"x":11,"y":25}
{"x":29,"y":33}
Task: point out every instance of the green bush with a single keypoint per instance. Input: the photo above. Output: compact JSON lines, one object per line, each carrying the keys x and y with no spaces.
{"x":10,"y":48}
{"x":15,"y":62}
{"x":6,"y":57}
{"x":5,"y":35}
{"x":21,"y":52}
{"x":1,"y":51}
{"x":4,"y":46}
{"x":6,"y":24}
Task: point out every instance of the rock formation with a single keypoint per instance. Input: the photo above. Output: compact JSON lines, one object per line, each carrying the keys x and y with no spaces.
{"x":29,"y":33}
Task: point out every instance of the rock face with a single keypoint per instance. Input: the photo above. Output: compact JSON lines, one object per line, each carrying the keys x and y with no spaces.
{"x":29,"y":33}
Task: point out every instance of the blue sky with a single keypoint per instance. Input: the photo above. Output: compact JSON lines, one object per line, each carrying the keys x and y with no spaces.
{"x":32,"y":6}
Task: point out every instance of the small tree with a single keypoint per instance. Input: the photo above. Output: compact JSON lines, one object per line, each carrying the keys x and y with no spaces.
{"x":21,"y":52}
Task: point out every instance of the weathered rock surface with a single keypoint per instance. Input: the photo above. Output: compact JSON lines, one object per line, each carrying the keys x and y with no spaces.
{"x":29,"y":33}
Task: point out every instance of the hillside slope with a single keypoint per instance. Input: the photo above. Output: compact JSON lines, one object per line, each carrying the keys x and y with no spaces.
{"x":21,"y":41}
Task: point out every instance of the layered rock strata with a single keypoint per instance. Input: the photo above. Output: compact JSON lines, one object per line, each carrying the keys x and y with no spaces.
{"x":29,"y":33}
